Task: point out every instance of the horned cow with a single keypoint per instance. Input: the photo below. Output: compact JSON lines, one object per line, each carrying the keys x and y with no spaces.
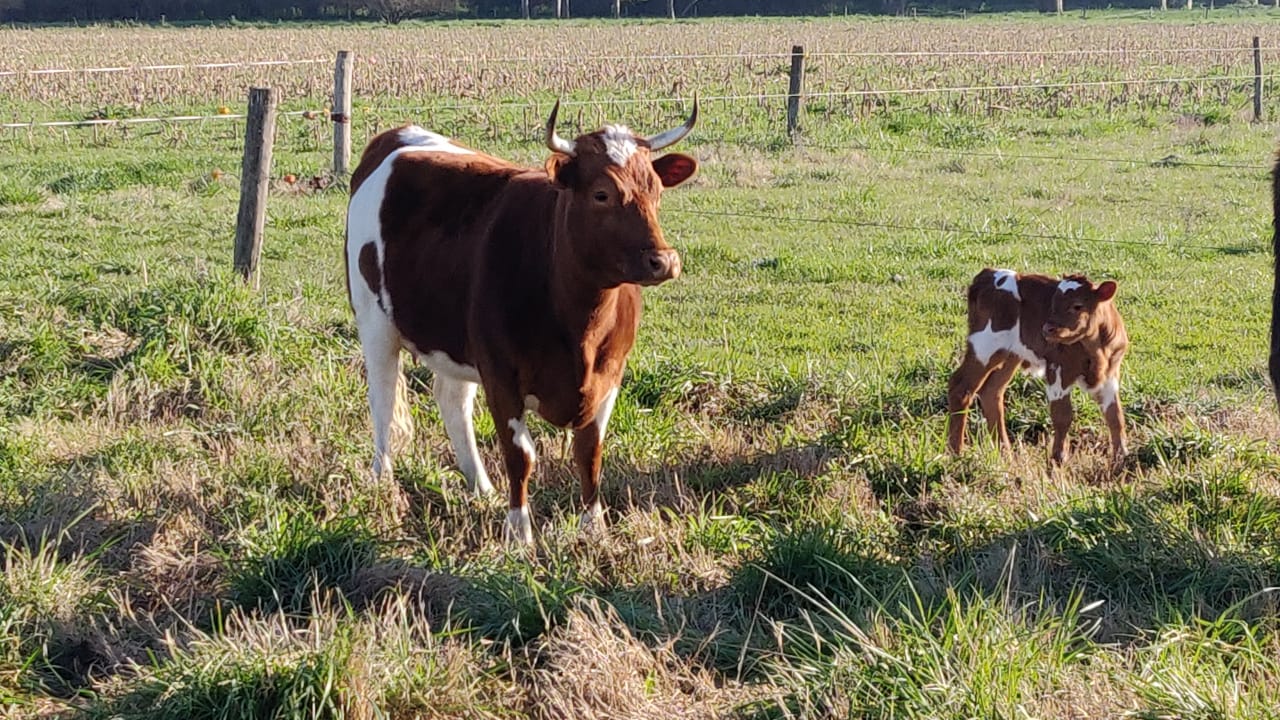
{"x":522,"y":280}
{"x":1067,"y":330}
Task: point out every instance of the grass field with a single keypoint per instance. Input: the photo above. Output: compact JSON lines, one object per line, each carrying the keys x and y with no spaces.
{"x":186,"y":520}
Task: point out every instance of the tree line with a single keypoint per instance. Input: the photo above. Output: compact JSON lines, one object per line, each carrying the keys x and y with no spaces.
{"x":66,"y":11}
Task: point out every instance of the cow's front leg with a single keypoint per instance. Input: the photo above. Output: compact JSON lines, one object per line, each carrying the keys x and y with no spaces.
{"x":1061,"y":413}
{"x":1107,"y":395}
{"x":588,"y":442}
{"x":519,"y":456}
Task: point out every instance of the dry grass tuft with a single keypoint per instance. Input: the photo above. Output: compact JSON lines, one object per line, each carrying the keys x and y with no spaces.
{"x":593,"y":667}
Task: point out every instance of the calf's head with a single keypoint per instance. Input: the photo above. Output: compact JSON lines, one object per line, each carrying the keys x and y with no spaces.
{"x":614,"y":186}
{"x":1073,"y":311}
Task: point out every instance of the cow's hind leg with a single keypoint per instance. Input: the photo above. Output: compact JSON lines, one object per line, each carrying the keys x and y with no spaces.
{"x":388,"y":396}
{"x":457,"y":402}
{"x":991,"y":398}
{"x":964,"y":383}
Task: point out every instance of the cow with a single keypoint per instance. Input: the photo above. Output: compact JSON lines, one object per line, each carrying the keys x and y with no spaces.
{"x":525,"y":281}
{"x":1067,"y":330}
{"x":1274,"y":363}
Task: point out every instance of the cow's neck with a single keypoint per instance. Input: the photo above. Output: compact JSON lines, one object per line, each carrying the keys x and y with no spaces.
{"x":580,"y":305}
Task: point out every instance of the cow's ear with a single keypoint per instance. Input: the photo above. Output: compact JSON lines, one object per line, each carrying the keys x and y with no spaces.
{"x":675,"y":168}
{"x":1105,"y":291}
{"x":560,"y":168}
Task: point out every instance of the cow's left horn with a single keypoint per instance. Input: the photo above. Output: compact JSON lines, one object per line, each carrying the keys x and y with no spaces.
{"x":554,"y":141}
{"x":675,"y":135}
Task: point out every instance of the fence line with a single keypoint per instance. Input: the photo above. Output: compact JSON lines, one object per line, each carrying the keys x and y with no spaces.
{"x":309,"y":114}
{"x":677,"y":57}
{"x":830,"y":94}
{"x":152,"y":68}
{"x":1169,"y":161}
{"x":946,"y":229}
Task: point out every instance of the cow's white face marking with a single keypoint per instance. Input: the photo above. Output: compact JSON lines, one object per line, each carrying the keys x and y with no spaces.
{"x":619,"y":143}
{"x":518,"y":527}
{"x":1106,"y":392}
{"x":522,"y":439}
{"x":987,"y":342}
{"x":416,"y":138}
{"x":1068,"y":285}
{"x":1007,"y":280}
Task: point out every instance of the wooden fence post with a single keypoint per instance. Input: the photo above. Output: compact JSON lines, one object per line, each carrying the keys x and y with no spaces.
{"x":1257,"y":80}
{"x":617,"y":9}
{"x":671,"y":9}
{"x":796,"y":87}
{"x":524,"y":9}
{"x":255,"y":171}
{"x":341,"y":116}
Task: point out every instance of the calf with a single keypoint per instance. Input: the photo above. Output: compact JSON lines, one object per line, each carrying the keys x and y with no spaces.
{"x":523,"y":280}
{"x":1067,"y":331}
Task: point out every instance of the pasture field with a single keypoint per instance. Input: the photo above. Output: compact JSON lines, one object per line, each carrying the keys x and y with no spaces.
{"x":186,"y":520}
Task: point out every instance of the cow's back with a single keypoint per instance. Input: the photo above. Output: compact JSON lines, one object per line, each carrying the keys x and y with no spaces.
{"x":418,"y":225}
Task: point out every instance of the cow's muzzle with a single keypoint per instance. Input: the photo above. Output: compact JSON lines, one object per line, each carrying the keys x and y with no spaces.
{"x":659,"y":266}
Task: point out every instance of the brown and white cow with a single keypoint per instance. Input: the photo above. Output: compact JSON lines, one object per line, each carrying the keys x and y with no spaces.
{"x":1067,"y":330}
{"x":523,"y":280}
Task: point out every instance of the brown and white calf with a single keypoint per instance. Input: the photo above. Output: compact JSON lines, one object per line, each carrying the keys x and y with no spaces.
{"x":1067,"y":330}
{"x":523,"y":280}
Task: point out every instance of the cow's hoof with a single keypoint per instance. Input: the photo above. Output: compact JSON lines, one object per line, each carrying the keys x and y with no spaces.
{"x":480,"y":486}
{"x":518,"y":529}
{"x":593,"y":519}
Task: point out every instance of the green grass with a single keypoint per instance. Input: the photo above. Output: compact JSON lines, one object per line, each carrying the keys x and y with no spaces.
{"x":189,"y":530}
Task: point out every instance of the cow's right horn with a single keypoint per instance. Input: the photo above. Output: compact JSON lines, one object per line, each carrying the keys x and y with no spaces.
{"x":554,"y":141}
{"x":675,"y":135}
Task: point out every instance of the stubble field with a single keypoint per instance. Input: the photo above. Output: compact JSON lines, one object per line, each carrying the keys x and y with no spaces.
{"x":188,"y":527}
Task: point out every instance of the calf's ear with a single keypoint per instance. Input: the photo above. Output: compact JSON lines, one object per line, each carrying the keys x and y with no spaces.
{"x":559,"y":168}
{"x":675,"y":168}
{"x":1105,"y":291}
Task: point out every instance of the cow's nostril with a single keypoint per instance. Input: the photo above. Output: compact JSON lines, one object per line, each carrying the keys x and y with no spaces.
{"x":657,"y":262}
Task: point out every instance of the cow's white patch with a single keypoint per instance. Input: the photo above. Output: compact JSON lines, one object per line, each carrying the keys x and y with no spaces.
{"x":1106,"y":392}
{"x":1068,"y":285}
{"x":604,"y":412}
{"x":440,"y":363}
{"x":456,"y":399}
{"x":1007,"y":280}
{"x":1059,"y":389}
{"x":364,"y":226}
{"x":519,"y":527}
{"x":619,"y":143}
{"x":987,"y":342}
{"x":531,"y":403}
{"x":416,"y":138}
{"x":522,"y":439}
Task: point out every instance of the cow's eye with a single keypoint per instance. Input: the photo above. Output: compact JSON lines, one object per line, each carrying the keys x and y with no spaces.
{"x":1078,"y":307}
{"x":601,"y":196}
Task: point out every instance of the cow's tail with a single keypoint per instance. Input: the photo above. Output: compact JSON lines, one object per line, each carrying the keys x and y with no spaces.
{"x":1274,"y":365}
{"x":401,"y":418}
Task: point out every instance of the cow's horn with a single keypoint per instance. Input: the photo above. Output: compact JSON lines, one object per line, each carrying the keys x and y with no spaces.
{"x":674,"y":135}
{"x":554,"y":141}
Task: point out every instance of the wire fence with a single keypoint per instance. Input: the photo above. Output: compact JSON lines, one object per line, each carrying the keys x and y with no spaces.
{"x":947,"y":228}
{"x":674,"y":57}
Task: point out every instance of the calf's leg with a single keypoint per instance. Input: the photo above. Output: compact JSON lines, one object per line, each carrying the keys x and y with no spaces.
{"x":1061,"y":413}
{"x":991,"y":398}
{"x":964,"y":383}
{"x":1107,"y":396}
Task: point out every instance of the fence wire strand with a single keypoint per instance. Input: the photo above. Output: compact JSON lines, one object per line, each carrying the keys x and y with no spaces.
{"x":846,"y":222}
